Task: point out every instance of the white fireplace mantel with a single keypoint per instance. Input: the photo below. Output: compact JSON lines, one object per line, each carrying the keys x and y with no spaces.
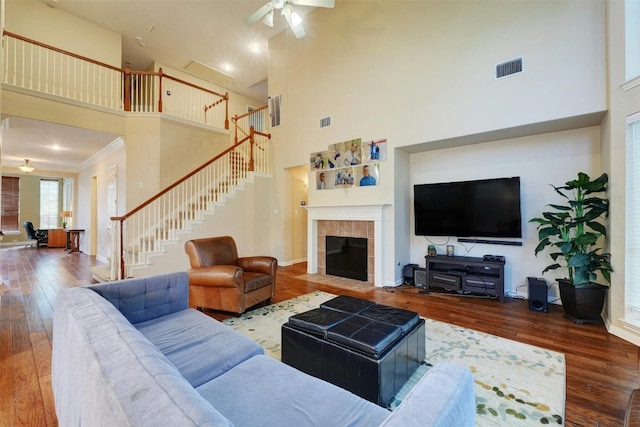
{"x":373,"y":213}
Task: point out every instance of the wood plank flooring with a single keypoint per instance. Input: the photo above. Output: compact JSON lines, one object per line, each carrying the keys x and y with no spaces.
{"x":601,"y":368}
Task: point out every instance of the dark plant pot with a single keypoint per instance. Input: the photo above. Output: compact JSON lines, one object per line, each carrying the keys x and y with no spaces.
{"x":584,"y":303}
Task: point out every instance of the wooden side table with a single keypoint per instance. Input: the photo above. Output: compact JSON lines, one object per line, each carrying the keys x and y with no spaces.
{"x":73,"y":239}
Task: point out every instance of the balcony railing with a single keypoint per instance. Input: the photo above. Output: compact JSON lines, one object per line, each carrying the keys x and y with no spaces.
{"x":144,"y":230}
{"x":35,"y":66}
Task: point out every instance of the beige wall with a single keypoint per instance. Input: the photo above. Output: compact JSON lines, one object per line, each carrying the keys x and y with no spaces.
{"x":39,"y":22}
{"x":419,"y":73}
{"x":184,"y":147}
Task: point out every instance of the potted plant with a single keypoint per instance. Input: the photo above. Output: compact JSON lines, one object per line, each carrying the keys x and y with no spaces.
{"x":572,"y":231}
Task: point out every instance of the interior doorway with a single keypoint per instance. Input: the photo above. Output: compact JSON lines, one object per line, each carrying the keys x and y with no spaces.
{"x":93,"y":247}
{"x":299,"y":179}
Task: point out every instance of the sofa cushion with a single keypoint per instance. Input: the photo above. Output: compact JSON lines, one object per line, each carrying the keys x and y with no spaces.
{"x":443,"y":397}
{"x":147,"y":298}
{"x":199,"y":346}
{"x":265,"y":392}
{"x":106,"y":373}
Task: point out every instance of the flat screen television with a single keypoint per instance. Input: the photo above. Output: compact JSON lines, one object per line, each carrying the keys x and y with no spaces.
{"x":482,"y":208}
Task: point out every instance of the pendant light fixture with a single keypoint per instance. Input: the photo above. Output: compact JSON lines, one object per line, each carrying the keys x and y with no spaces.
{"x":26,"y":168}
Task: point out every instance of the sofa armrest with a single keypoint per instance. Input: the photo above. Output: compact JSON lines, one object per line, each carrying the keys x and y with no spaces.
{"x":259,"y":264}
{"x":444,"y":397}
{"x":147,"y":298}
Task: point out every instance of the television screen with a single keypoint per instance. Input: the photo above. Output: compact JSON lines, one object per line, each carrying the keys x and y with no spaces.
{"x":483,"y":208}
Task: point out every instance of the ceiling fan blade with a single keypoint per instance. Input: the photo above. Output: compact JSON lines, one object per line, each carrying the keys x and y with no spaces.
{"x":259,"y":14}
{"x":314,"y":3}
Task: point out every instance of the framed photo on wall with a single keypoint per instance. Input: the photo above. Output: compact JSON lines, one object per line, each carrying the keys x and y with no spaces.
{"x":374,"y":151}
{"x":368,"y":175}
{"x":318,"y":160}
{"x":344,"y":177}
{"x":325,"y":180}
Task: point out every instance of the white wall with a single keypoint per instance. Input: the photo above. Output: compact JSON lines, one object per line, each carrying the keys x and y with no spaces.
{"x":553,"y":158}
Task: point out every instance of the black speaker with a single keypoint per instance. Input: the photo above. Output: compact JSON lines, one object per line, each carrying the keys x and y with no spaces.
{"x":420,"y":277}
{"x":407,"y":273}
{"x":538,"y":292}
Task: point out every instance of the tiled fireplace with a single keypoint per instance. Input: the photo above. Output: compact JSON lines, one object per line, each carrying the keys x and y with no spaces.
{"x":345,"y":221}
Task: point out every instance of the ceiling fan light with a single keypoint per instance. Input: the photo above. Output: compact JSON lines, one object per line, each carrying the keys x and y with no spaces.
{"x":26,"y":168}
{"x":295,"y":19}
{"x":268,"y":19}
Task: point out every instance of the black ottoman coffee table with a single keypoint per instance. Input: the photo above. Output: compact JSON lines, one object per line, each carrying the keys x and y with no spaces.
{"x":367,"y":348}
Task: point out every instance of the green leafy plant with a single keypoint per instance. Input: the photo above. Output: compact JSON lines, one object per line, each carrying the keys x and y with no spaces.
{"x":573,"y":229}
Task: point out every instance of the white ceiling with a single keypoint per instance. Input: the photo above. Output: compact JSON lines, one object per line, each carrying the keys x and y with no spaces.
{"x":173,"y":32}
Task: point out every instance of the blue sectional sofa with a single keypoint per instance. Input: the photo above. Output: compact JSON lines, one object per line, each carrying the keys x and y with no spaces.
{"x":131,"y":353}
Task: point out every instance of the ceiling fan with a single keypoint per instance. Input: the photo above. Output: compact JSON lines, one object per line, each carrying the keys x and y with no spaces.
{"x":286,"y":9}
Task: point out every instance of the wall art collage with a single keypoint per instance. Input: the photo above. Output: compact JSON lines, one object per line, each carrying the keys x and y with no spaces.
{"x":352,"y":163}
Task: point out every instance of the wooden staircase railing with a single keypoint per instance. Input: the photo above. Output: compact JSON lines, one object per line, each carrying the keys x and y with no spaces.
{"x":142,"y":230}
{"x":32,"y":65}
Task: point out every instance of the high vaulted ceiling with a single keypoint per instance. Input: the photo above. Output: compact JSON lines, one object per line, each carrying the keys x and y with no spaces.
{"x":170,"y":32}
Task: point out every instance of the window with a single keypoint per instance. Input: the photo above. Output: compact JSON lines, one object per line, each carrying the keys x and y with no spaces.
{"x":632,"y":38}
{"x":10,"y":204}
{"x":632,"y":266}
{"x":49,"y":203}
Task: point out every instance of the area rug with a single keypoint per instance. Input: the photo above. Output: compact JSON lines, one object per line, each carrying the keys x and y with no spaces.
{"x":516,"y":384}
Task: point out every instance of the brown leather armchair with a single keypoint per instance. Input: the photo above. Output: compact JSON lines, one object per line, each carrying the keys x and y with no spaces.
{"x":218,"y":279}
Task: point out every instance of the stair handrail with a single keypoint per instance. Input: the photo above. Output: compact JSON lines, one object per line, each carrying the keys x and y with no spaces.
{"x":120,"y":220}
{"x":126,"y":75}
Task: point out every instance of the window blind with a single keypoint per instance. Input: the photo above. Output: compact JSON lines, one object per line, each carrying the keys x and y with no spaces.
{"x":632,"y":213}
{"x":49,"y":203}
{"x":9,"y":217}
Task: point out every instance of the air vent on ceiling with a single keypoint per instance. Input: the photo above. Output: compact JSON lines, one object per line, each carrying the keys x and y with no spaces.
{"x":208,"y":73}
{"x":325,"y":122}
{"x":509,"y":67}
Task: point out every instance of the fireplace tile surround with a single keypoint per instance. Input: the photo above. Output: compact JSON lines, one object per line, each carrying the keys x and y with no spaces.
{"x":345,"y":221}
{"x":346,"y":228}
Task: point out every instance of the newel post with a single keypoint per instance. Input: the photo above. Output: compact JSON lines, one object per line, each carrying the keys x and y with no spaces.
{"x":127,"y":89}
{"x":235,"y":120}
{"x":226,"y":111}
{"x":252,"y":142}
{"x":160,"y":89}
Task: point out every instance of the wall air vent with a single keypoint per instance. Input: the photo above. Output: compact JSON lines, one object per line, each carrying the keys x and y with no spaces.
{"x":274,"y":110}
{"x":509,"y":67}
{"x":325,"y":122}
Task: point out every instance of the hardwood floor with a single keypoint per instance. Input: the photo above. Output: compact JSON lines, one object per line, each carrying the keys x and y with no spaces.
{"x":601,"y":368}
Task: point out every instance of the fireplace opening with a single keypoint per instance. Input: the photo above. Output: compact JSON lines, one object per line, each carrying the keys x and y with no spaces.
{"x":347,"y":257}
